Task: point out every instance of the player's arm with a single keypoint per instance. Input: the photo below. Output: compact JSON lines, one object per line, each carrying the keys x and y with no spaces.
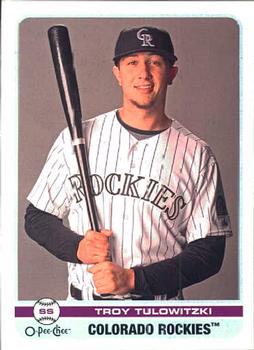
{"x":48,"y":231}
{"x":200,"y":260}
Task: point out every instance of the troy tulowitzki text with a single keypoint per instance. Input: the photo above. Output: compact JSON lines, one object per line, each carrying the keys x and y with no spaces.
{"x":150,"y":311}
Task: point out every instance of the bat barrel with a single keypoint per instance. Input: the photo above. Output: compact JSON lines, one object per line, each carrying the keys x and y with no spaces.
{"x":66,"y":78}
{"x":59,"y":37}
{"x":67,"y":83}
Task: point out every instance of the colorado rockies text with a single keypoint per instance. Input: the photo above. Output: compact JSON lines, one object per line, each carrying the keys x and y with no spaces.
{"x":126,"y":185}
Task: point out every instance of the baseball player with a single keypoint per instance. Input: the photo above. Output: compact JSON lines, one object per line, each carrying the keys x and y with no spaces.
{"x":157,"y":189}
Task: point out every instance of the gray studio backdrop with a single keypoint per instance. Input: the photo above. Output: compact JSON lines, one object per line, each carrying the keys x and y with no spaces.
{"x":204,"y":97}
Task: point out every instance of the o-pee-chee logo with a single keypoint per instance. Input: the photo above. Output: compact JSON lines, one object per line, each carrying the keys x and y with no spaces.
{"x":46,"y":311}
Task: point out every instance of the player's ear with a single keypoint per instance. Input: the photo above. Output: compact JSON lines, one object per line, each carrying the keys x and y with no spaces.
{"x":172,"y":74}
{"x":116,"y":73}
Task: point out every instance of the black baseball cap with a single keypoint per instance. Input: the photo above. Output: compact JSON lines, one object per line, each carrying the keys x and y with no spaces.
{"x":142,"y":39}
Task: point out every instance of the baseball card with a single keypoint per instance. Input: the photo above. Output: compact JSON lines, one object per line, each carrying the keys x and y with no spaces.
{"x":127,"y":178}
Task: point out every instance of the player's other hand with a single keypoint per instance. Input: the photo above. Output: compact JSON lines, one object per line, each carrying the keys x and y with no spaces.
{"x":94,"y":247}
{"x":110,"y":278}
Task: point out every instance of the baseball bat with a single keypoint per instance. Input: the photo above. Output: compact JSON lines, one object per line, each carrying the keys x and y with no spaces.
{"x":68,"y":87}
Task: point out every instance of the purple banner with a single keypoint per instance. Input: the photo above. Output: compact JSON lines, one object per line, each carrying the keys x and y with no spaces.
{"x":140,"y":311}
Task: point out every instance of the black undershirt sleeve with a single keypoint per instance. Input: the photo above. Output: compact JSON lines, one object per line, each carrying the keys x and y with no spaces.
{"x":201,"y":258}
{"x":49,"y":232}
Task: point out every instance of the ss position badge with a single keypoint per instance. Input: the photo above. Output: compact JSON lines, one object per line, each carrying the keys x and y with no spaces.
{"x":46,"y":311}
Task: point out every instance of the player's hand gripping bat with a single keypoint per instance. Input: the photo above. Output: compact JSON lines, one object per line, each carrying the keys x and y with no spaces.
{"x":66,"y":78}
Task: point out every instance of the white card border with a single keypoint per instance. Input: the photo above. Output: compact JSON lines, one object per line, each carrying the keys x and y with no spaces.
{"x":16,"y":11}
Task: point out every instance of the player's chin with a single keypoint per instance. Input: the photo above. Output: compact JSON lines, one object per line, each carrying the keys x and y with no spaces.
{"x":144,"y":104}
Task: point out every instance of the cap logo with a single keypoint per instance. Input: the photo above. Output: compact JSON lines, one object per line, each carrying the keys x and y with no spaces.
{"x":145,"y":37}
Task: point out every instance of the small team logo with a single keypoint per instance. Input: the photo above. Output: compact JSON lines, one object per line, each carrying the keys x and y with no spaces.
{"x":46,"y":311}
{"x":221,"y":206}
{"x":145,"y":37}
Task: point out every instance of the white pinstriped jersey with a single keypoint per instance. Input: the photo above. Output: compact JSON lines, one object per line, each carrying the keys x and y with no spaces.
{"x":155,"y":194}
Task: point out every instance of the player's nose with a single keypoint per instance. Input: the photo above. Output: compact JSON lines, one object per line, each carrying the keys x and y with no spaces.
{"x":144,"y":70}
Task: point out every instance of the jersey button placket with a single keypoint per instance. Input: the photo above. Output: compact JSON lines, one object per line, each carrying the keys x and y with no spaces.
{"x":132,"y":155}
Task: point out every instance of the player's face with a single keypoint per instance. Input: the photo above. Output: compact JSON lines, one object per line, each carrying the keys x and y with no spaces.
{"x":144,"y":78}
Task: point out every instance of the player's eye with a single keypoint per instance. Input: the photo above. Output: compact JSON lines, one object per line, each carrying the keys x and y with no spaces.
{"x":132,"y":63}
{"x":156,"y":63}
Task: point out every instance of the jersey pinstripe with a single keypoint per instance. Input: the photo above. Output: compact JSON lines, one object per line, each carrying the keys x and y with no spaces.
{"x":156,"y":194}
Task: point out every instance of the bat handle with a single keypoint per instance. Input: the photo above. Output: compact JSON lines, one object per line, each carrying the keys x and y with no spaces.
{"x":80,"y":151}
